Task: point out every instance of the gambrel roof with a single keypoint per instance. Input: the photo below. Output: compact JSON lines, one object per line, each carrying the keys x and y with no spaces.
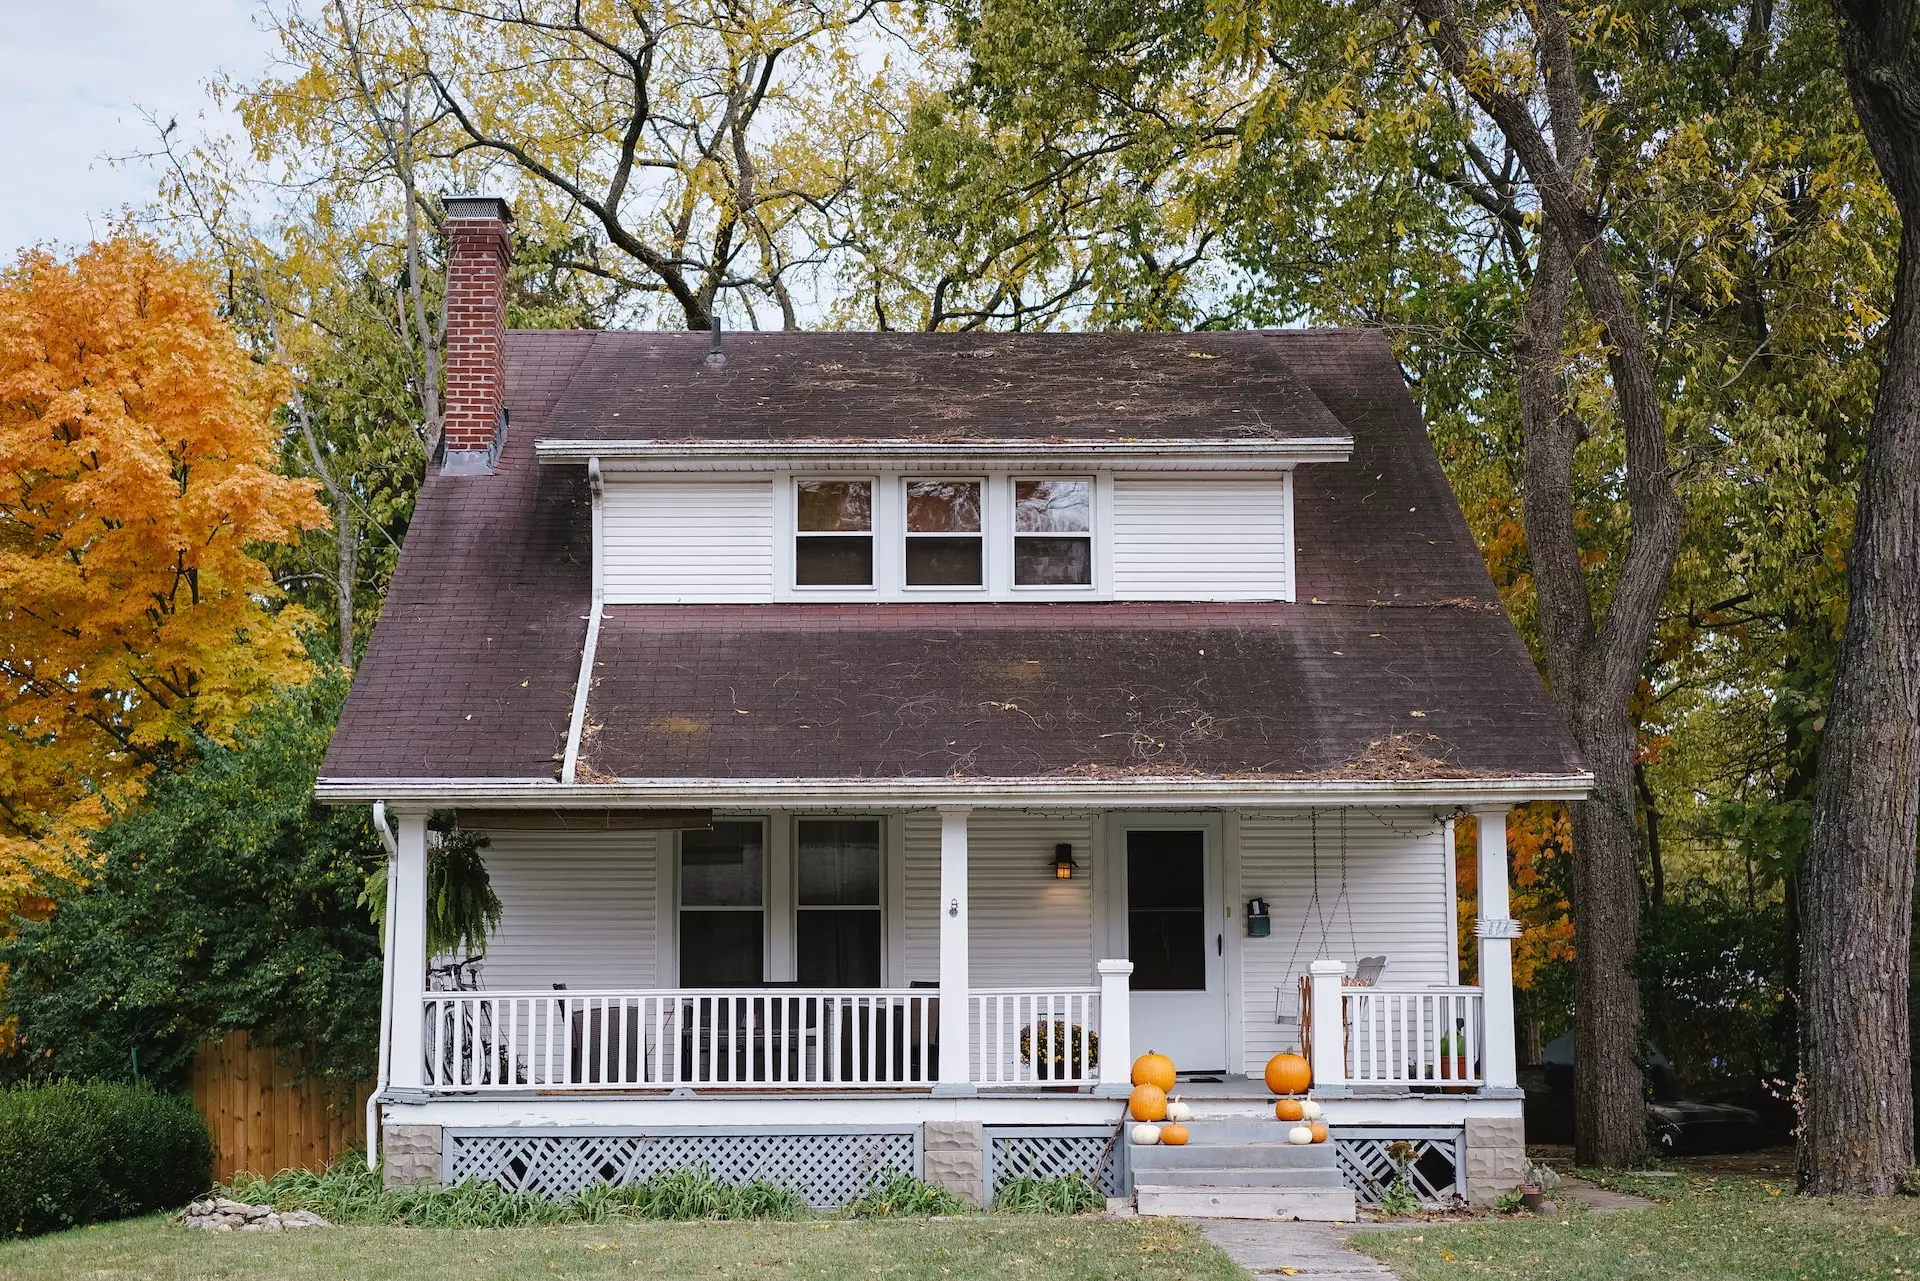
{"x":1395,"y":661}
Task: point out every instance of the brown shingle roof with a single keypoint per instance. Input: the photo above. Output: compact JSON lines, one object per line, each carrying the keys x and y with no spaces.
{"x":470,"y":672}
{"x":789,"y":387}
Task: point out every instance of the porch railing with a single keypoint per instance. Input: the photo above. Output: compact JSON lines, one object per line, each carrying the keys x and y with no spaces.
{"x":756,"y":1038}
{"x":1035,"y":1037}
{"x":1431,"y":1036}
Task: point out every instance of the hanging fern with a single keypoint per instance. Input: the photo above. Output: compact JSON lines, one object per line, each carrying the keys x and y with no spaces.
{"x":462,"y":908}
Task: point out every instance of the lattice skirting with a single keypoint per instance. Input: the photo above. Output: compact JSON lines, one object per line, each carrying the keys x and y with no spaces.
{"x":829,"y":1167}
{"x":1436,"y":1173}
{"x":1049,"y":1151}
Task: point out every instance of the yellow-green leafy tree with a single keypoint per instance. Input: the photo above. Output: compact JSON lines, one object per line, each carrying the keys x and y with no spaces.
{"x":137,"y":484}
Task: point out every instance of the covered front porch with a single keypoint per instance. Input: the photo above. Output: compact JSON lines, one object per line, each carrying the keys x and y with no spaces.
{"x":953,"y":952}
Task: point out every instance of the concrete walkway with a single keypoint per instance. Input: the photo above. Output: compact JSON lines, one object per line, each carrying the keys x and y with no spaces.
{"x":1271,"y":1248}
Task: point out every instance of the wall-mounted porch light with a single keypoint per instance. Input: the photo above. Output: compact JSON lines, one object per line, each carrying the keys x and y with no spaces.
{"x":1063,"y":863}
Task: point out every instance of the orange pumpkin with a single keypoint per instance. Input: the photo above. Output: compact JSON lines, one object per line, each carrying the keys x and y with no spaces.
{"x":1319,"y":1132}
{"x":1288,"y":1074}
{"x":1147,"y":1103}
{"x":1173,"y":1135}
{"x":1289,"y":1110}
{"x":1155,"y":1070}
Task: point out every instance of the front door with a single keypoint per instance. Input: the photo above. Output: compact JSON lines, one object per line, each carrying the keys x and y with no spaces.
{"x":1177,"y":942}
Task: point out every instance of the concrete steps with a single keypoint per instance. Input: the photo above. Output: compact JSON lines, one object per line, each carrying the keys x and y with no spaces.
{"x":1240,"y":1168}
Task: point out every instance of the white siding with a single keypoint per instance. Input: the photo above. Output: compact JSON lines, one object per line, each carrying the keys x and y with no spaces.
{"x":1200,"y":540}
{"x":1030,"y":929}
{"x":1397,"y":905}
{"x":576,"y":907}
{"x":688,"y":540}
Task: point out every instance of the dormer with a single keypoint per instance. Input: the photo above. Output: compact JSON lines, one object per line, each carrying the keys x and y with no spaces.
{"x":941,"y":468}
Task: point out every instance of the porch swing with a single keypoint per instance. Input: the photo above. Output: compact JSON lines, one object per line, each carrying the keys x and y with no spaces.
{"x":1291,"y":1001}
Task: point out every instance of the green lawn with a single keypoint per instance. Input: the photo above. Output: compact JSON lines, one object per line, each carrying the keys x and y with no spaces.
{"x":1010,"y":1247}
{"x":1709,"y":1229}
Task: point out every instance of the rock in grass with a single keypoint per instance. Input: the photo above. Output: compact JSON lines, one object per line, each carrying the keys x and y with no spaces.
{"x":221,"y":1214}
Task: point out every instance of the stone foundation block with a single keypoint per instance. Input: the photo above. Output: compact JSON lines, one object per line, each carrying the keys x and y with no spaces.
{"x":410,"y":1155}
{"x":1496,"y":1156}
{"x":956,"y":1159}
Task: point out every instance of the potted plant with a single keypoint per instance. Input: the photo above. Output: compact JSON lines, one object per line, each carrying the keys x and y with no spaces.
{"x":1059,"y":1052}
{"x":1453,"y":1060}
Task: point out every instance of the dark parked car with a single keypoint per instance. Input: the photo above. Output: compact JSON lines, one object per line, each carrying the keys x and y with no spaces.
{"x":1675,"y":1124}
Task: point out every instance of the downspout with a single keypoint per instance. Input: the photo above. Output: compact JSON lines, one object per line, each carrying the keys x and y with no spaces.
{"x":386,"y":985}
{"x":571,"y":765}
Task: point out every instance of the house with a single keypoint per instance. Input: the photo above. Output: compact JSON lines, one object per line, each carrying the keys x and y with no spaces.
{"x":882,"y":738}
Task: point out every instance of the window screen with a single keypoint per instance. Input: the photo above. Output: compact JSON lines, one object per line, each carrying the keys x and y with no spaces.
{"x":1052,"y":533}
{"x":837,"y":922}
{"x":722,"y":916}
{"x":1166,"y":911}
{"x":833,"y":533}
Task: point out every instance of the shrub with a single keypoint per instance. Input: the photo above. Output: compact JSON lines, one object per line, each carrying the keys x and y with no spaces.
{"x":83,"y":1153}
{"x":1061,"y":1194}
{"x":900,"y":1194}
{"x":350,"y":1193}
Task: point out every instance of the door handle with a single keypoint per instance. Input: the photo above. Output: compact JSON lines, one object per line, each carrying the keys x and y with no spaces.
{"x":1220,"y":944}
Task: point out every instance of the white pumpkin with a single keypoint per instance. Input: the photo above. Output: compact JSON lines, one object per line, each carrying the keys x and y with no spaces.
{"x":1300,"y":1134}
{"x":1179,"y":1112}
{"x":1309,"y":1109}
{"x":1147,"y":1135}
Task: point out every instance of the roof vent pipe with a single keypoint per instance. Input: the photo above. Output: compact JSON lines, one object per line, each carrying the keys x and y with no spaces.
{"x":716,"y":357}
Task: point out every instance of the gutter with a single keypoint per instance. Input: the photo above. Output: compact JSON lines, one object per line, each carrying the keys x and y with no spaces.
{"x":384,"y":1072}
{"x":577,"y":722}
{"x":1142,"y":792}
{"x":1228,"y":454}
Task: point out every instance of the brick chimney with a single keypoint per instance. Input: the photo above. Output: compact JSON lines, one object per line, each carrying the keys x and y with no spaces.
{"x":473,"y":411}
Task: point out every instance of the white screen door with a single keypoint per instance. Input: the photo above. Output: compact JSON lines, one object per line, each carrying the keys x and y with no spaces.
{"x":1175,"y":931}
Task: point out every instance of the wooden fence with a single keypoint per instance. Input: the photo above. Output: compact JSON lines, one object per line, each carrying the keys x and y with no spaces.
{"x":261,"y":1121}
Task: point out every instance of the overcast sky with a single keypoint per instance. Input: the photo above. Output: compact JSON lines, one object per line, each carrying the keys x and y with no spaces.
{"x":73,"y":77}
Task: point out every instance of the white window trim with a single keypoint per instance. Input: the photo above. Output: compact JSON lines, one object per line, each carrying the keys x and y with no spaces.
{"x":875,"y":501}
{"x":890,"y":539}
{"x":985,"y":537}
{"x":780,"y":895}
{"x":668,"y":929}
{"x":1060,"y":591}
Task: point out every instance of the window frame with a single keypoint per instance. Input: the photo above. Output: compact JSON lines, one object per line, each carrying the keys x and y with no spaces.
{"x":881,"y":886}
{"x":875,"y":575}
{"x":1013,"y":535}
{"x":906,"y":535}
{"x":764,"y":907}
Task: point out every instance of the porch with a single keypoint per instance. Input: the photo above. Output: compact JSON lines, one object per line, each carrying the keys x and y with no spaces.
{"x":943,"y":907}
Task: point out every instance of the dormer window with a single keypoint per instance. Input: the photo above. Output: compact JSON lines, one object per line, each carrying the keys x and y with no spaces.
{"x":1052,"y":533}
{"x":943,"y":534}
{"x":833,"y":533}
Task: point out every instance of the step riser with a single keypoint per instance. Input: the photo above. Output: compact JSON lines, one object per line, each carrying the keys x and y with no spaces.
{"x":1317,"y":1205}
{"x":1242,"y":1177}
{"x":1206,"y":1131}
{"x":1261,"y":1155}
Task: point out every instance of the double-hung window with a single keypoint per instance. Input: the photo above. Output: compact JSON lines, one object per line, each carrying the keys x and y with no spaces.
{"x":722,"y":906}
{"x":1052,"y":533}
{"x":833,"y":533}
{"x":944,"y":534}
{"x":837,"y":934}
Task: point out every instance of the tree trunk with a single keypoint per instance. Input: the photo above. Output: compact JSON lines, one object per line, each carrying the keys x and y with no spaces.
{"x":346,"y":575}
{"x":1609,"y":1111}
{"x":1857,"y":1133}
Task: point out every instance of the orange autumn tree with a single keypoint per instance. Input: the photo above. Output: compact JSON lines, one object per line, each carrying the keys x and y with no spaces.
{"x":137,"y":444}
{"x":1537,"y":835}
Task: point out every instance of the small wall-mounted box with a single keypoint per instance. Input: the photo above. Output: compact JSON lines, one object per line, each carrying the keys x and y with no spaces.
{"x":1259,"y":921}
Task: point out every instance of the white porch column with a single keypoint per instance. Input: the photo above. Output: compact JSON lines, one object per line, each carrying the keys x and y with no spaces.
{"x":1116,"y":1028}
{"x":1496,"y":931}
{"x":407,"y":909}
{"x":1328,"y":1053}
{"x":956,"y":1047}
